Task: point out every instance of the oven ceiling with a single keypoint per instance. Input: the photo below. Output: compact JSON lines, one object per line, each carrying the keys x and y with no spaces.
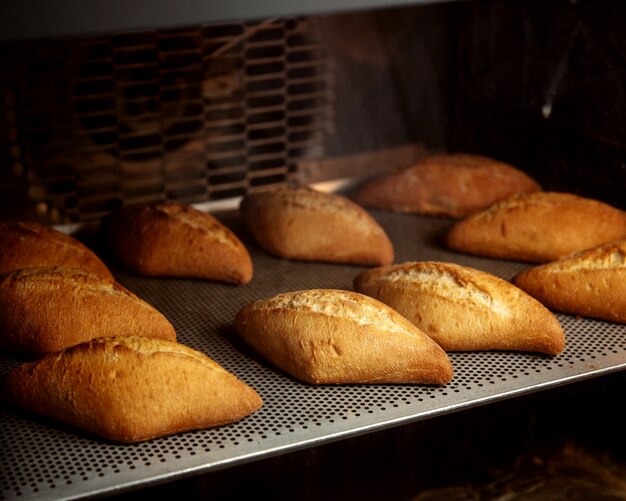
{"x":27,"y":19}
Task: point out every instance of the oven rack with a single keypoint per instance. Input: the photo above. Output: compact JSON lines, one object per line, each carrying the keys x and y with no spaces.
{"x":45,"y":460}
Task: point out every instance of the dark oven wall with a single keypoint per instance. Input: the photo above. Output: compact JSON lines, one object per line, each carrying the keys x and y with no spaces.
{"x":213,"y":111}
{"x":539,"y":84}
{"x":392,"y":74}
{"x":542,"y":84}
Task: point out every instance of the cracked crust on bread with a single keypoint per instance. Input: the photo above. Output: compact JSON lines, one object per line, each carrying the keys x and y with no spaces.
{"x":464,"y":309}
{"x":327,"y":336}
{"x":308,"y":225}
{"x":131,"y":389}
{"x":590,"y":283}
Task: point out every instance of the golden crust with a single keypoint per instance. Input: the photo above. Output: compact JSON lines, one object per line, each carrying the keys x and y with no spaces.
{"x":452,"y":185}
{"x":538,"y":227}
{"x":590,"y":283}
{"x":324,"y":336}
{"x":25,"y":244}
{"x":131,"y":389}
{"x":176,"y":240}
{"x":44,"y":310}
{"x":304,"y":224}
{"x":464,"y":309}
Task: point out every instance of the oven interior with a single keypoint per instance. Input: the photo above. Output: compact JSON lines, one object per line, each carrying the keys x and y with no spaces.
{"x":206,"y":112}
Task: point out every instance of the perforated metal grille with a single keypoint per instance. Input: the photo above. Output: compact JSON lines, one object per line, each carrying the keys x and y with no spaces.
{"x":45,"y":460}
{"x":205,"y":113}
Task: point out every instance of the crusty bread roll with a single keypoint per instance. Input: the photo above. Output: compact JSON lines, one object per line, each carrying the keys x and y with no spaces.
{"x":452,"y":185}
{"x":464,"y":309}
{"x":44,"y":310}
{"x":130,"y":389}
{"x":538,"y":227}
{"x":176,"y":240}
{"x":25,"y":244}
{"x":590,"y":283}
{"x":324,"y":336}
{"x":305,"y":224}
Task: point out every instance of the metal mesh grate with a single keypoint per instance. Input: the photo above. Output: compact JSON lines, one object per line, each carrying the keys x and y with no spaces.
{"x":44,"y":460}
{"x":201,"y":114}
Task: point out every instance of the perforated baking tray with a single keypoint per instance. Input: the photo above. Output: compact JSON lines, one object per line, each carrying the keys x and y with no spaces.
{"x":44,"y":460}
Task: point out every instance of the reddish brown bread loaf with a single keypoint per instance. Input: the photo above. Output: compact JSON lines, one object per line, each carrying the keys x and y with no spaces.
{"x":326,"y":336}
{"x":175,"y":240}
{"x":464,"y":309}
{"x":446,"y":185}
{"x":304,"y":224}
{"x":591,"y":283}
{"x":44,"y":310}
{"x":130,"y":389}
{"x":31,"y":245}
{"x":538,"y":227}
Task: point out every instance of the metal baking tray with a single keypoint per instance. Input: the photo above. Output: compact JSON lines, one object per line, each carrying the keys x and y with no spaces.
{"x":44,"y":460}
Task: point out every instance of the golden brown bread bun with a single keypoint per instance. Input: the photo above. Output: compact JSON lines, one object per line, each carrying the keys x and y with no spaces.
{"x":464,"y":309}
{"x":31,"y":245}
{"x":130,"y":389}
{"x":305,"y":224}
{"x":591,"y":283}
{"x":175,"y":240}
{"x":324,"y":336}
{"x":44,"y":310}
{"x":452,"y":185}
{"x":538,"y":227}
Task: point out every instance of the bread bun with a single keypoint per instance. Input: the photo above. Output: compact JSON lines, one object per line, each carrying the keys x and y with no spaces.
{"x":176,"y":240}
{"x":591,"y":283}
{"x":44,"y":310}
{"x":130,"y":389}
{"x":446,"y":185}
{"x":538,"y":227}
{"x":31,"y":245}
{"x":304,"y":224}
{"x":464,"y":309}
{"x":324,"y":336}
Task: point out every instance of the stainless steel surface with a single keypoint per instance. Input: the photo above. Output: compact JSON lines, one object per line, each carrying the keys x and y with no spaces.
{"x":44,"y":460}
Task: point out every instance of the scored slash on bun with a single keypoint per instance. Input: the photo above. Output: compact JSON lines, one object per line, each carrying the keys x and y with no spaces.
{"x":590,"y":283}
{"x":464,"y":309}
{"x":176,"y":240}
{"x":324,"y":336}
{"x":305,"y":224}
{"x":538,"y":227}
{"x":130,"y":389}
{"x":31,"y":245}
{"x":44,"y":310}
{"x":452,"y":185}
